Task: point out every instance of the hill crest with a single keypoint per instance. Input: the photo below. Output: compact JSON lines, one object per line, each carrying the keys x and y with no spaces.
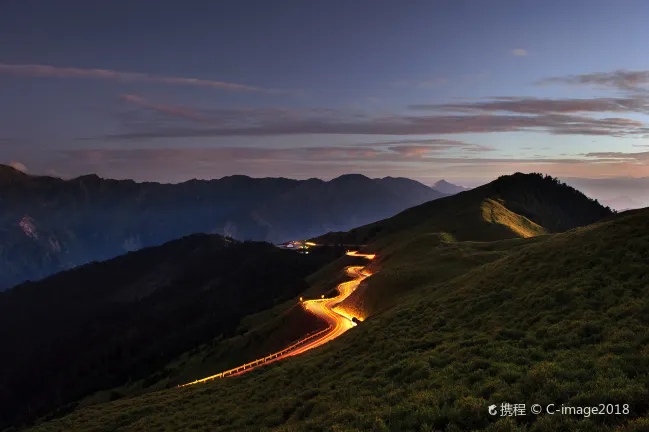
{"x":550,"y":205}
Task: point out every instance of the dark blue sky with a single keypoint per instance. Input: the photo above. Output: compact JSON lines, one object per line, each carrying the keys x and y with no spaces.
{"x":465,"y":90}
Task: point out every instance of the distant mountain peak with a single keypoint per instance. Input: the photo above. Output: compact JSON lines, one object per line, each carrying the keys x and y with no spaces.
{"x":448,"y":188}
{"x":443,"y":182}
{"x":9,"y":175}
{"x":6,"y":170}
{"x":351,"y":177}
{"x":89,"y":177}
{"x":237,"y":177}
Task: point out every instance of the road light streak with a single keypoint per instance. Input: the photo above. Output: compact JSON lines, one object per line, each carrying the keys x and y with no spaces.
{"x":339,"y":322}
{"x":356,"y":254}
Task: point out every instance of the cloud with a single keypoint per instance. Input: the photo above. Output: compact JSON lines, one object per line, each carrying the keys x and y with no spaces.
{"x":500,"y":114}
{"x":437,"y":82}
{"x":431,"y":83}
{"x":18,"y":166}
{"x":634,"y":157}
{"x":619,"y":79}
{"x":435,"y":144}
{"x":267,"y":124}
{"x":400,"y":83}
{"x":183,"y":163}
{"x":529,"y":105}
{"x":171,"y":110}
{"x":35,"y":70}
{"x":326,"y":162}
{"x":520,"y":52}
{"x":411,"y":150}
{"x":332,"y":154}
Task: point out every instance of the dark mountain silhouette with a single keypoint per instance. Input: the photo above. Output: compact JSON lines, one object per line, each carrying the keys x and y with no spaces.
{"x":102,"y":324}
{"x":48,"y":224}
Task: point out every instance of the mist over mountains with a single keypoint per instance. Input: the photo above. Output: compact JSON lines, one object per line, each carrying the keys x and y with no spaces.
{"x":620,"y":193}
{"x":48,"y":224}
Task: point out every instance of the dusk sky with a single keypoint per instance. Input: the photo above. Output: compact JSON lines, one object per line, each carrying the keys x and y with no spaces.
{"x":461,"y":90}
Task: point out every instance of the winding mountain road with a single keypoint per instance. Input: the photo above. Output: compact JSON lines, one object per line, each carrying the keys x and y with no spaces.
{"x":338,"y":321}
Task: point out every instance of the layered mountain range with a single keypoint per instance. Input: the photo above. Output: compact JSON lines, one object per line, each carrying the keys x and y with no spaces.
{"x":522,"y":288}
{"x":48,"y":224}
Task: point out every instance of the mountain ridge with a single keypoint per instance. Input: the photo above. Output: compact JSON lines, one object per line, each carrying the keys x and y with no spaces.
{"x":543,"y":200}
{"x":95,"y":219}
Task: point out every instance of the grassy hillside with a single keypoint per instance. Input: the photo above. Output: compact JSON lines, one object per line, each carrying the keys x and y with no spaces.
{"x":404,"y":266}
{"x":257,"y":335}
{"x":434,"y":239}
{"x":557,"y":319}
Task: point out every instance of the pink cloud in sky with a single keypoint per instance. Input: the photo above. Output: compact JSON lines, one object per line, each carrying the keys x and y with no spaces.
{"x":46,"y":71}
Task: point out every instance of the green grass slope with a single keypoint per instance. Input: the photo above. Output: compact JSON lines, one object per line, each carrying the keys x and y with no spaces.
{"x":435,"y":257}
{"x":511,"y":207}
{"x":557,"y":319}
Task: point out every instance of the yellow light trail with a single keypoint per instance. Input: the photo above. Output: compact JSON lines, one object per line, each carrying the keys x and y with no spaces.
{"x":356,"y":254}
{"x":339,"y":322}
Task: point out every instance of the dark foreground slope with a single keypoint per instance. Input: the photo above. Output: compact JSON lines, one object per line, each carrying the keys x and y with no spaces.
{"x":556,"y":319}
{"x":104,"y":324}
{"x":48,"y":224}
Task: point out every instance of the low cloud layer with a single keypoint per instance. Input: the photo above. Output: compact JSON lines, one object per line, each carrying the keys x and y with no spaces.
{"x":432,"y":145}
{"x":289,"y":156}
{"x":555,"y":116}
{"x":329,"y":161}
{"x":633,"y":157}
{"x":431,"y":83}
{"x":619,"y":79}
{"x":529,"y":105}
{"x":46,"y":71}
{"x":404,"y":154}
